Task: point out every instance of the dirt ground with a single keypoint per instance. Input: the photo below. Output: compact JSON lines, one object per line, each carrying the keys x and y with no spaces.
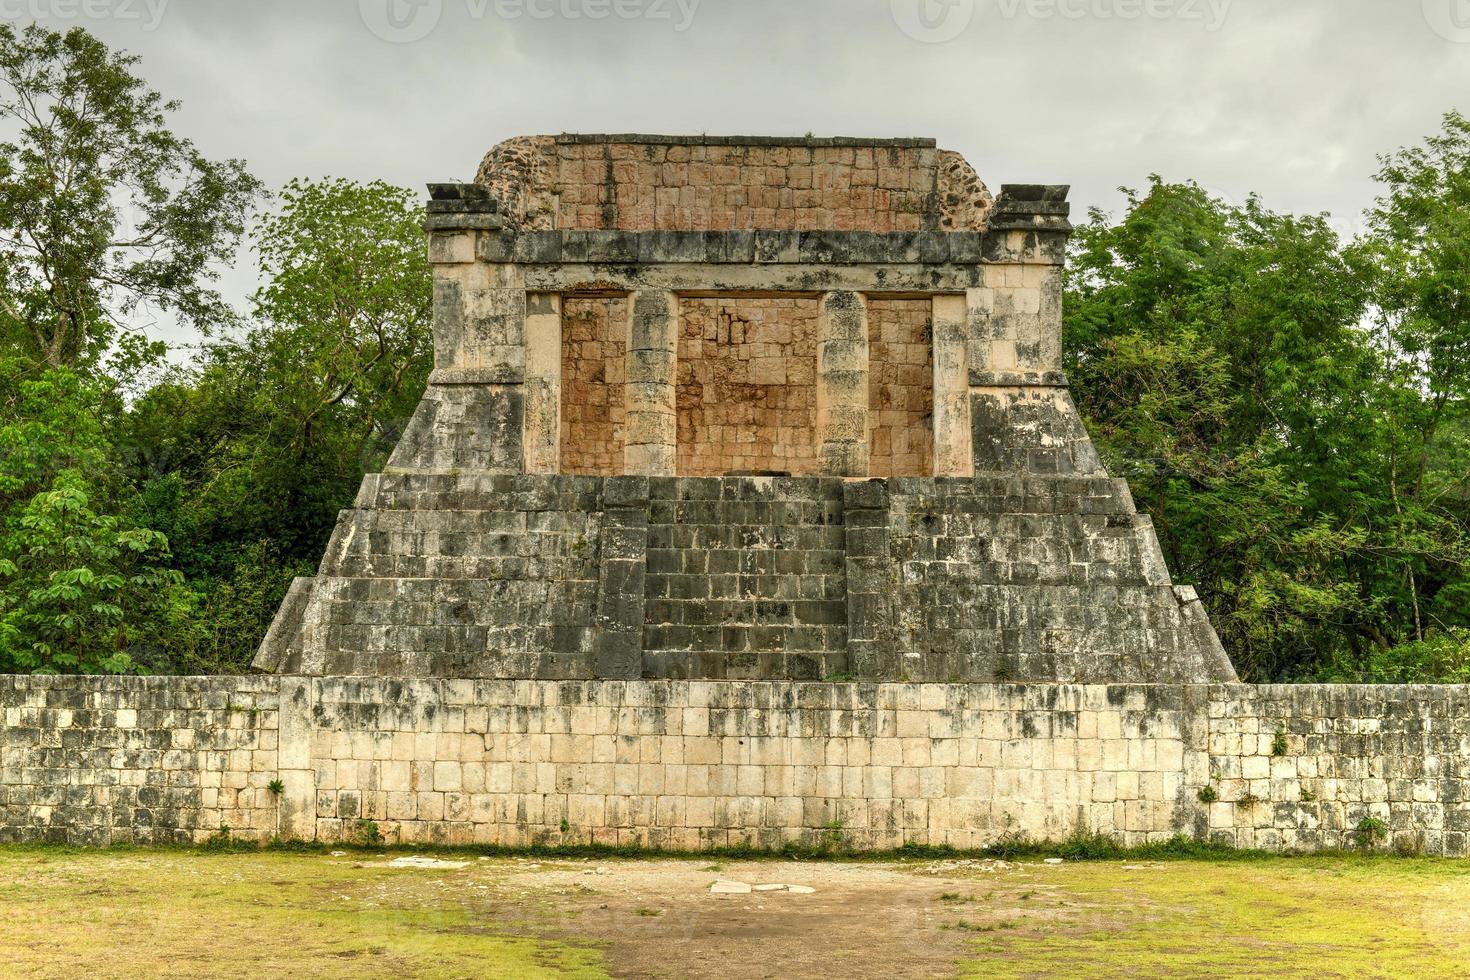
{"x":659,"y":919}
{"x":355,"y":914}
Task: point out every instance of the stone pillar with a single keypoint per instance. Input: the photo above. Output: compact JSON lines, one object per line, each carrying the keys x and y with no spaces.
{"x":842,"y":384}
{"x":651,"y":430}
{"x":470,"y":418}
{"x":1022,"y":417}
{"x":543,"y":383}
{"x":953,"y":452}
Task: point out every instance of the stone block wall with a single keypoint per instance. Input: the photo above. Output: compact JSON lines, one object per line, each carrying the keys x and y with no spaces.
{"x":593,"y":409}
{"x":143,"y":760}
{"x":639,"y":183}
{"x":746,"y":386}
{"x":901,"y":387}
{"x":699,"y":764}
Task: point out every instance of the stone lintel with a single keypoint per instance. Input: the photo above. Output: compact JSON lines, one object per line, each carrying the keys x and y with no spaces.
{"x":656,"y":139}
{"x":1018,"y":379}
{"x":906,"y":281}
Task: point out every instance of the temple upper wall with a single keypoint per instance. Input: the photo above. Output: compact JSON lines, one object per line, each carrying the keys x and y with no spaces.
{"x":733,"y":183}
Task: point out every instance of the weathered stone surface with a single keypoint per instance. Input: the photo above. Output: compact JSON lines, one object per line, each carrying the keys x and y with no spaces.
{"x":983,"y":579}
{"x":697,"y":764}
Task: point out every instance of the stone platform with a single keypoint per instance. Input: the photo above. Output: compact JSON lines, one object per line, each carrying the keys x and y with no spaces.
{"x":947,"y":580}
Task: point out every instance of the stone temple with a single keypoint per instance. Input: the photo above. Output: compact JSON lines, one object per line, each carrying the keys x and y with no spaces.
{"x":745,"y":408}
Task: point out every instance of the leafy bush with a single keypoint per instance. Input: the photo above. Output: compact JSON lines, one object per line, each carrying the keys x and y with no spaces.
{"x":1442,"y":657}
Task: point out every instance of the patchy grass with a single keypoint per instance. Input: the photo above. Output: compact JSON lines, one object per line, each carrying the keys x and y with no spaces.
{"x":144,"y":913}
{"x":1303,"y":917}
{"x":183,"y":913}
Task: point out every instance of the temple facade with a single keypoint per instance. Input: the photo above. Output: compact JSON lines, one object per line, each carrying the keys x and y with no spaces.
{"x":745,"y":408}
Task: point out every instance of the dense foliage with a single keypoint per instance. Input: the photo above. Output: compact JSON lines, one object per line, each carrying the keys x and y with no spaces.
{"x":1290,"y":407}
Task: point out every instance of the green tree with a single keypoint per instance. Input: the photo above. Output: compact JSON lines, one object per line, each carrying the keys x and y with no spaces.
{"x":103,"y":208}
{"x":347,"y":308}
{"x":1419,"y":244}
{"x":81,"y":590}
{"x":1220,"y":357}
{"x":247,"y":459}
{"x":1190,"y":326}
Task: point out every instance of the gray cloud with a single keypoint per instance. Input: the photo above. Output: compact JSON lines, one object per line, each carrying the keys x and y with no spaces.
{"x":1290,"y":98}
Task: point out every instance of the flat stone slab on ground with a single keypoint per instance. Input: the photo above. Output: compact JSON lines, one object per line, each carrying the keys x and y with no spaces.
{"x":427,"y":862}
{"x":729,"y":888}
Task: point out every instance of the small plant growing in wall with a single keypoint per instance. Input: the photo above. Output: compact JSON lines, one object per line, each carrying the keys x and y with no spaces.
{"x":1208,"y":794}
{"x":275,"y":788}
{"x":1249,"y":801}
{"x":222,"y":841}
{"x":1371,"y":830}
{"x":368,"y":834}
{"x":1278,"y":744}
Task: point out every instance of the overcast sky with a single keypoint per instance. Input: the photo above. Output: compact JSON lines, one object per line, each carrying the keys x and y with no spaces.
{"x":1290,"y":98}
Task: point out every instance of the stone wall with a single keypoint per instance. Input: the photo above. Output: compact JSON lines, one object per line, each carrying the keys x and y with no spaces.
{"x":901,"y":387}
{"x":695,"y":764}
{"x":638,"y":182}
{"x":593,"y":350}
{"x":746,"y":387}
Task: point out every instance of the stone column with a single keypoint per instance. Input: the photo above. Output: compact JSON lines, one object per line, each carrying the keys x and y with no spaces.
{"x":543,"y":383}
{"x":1022,"y":417}
{"x":842,"y":384}
{"x":470,"y":418}
{"x":953,"y":452}
{"x":651,"y":432}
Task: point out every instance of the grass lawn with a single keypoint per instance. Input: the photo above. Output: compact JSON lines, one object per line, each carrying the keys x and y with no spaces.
{"x":169,"y":913}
